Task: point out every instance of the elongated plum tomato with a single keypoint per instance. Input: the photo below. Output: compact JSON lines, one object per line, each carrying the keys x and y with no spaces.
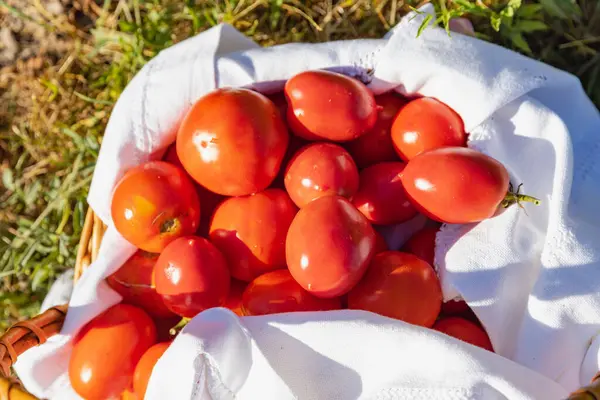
{"x":144,"y":368}
{"x":399,"y":285}
{"x":107,"y":350}
{"x":232,"y":141}
{"x":425,"y":124}
{"x":320,"y":169}
{"x":234,"y":300}
{"x":278,"y":292}
{"x":455,"y":185}
{"x":154,"y":204}
{"x":376,"y":145}
{"x":464,"y":330}
{"x":251,"y":232}
{"x":329,"y":246}
{"x":133,"y":281}
{"x":331,"y":106}
{"x":191,"y":275}
{"x":422,"y":244}
{"x":381,"y":197}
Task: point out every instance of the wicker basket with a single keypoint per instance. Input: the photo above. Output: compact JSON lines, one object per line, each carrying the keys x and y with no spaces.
{"x":27,"y":334}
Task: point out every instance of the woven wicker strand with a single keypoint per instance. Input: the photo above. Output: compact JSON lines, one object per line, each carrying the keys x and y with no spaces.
{"x":27,"y":334}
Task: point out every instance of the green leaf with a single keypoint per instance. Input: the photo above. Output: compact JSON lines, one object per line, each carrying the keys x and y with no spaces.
{"x":530,"y":10}
{"x":528,"y":26}
{"x":40,"y":276}
{"x":511,"y":8}
{"x":564,"y":9}
{"x":425,"y":24}
{"x":519,"y":42}
{"x":496,"y":21}
{"x":8,"y":179}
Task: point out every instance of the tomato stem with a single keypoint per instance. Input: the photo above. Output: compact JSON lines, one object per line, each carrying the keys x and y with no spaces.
{"x":517,"y":197}
{"x":169,"y":225}
{"x":180,"y":325}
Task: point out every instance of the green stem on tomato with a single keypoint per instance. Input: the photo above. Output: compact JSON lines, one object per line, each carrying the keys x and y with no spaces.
{"x":180,"y":325}
{"x":513,"y":197}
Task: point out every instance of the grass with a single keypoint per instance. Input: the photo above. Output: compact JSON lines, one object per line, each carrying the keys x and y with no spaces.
{"x":52,"y":119}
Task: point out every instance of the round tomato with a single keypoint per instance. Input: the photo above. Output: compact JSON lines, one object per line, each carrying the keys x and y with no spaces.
{"x":422,"y":244}
{"x":320,"y":169}
{"x":329,"y":246}
{"x":455,"y":185}
{"x":376,"y":145}
{"x":133,"y":281}
{"x":191,"y":275}
{"x":380,"y":244}
{"x":154,"y":204}
{"x":106,"y":351}
{"x":399,"y":285}
{"x":251,"y":231}
{"x":464,"y":330}
{"x":454,"y":307}
{"x":425,"y":124}
{"x":327,"y":105}
{"x":381,"y":197}
{"x":234,"y":300}
{"x":278,"y":292}
{"x":232,"y":141}
{"x":144,"y":367}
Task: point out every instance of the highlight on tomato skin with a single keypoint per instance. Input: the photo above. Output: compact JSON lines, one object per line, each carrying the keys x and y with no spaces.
{"x":320,"y":169}
{"x":277,"y":292}
{"x":329,"y":246}
{"x":426,"y":124}
{"x":107,"y":350}
{"x":401,"y":286}
{"x":236,"y":155}
{"x":191,"y":275}
{"x":325,"y":105}
{"x":376,"y":146}
{"x":154,"y":204}
{"x":464,"y":330}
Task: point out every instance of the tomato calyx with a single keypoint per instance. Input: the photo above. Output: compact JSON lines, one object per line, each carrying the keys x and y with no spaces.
{"x":518,"y":198}
{"x":170,"y":225}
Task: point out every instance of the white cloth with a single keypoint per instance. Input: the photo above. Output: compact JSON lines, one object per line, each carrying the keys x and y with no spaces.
{"x":531,"y":278}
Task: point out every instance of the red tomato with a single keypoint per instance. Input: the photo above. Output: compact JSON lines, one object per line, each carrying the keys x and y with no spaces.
{"x":154,"y":204}
{"x":455,"y":185}
{"x":191,"y":275}
{"x":329,"y":246}
{"x":464,"y":330}
{"x":107,"y":349}
{"x":381,"y":197}
{"x":164,"y":326}
{"x":232,"y":141}
{"x":376,"y":145}
{"x":133,"y":281}
{"x":251,"y":231}
{"x":172,"y":157}
{"x":380,"y":244}
{"x":399,"y":285}
{"x":280,"y":102}
{"x":295,"y":145}
{"x":320,"y":169}
{"x":128,"y":394}
{"x":328,"y":105}
{"x":425,"y":124}
{"x":234,"y":300}
{"x":422,"y":244}
{"x":144,"y":367}
{"x":454,"y":307}
{"x":278,"y":292}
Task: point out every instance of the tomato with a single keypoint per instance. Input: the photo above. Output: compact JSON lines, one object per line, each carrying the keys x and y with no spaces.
{"x":234,"y":300}
{"x":128,"y":394}
{"x":455,"y":185}
{"x":294,"y":146}
{"x":422,"y":244}
{"x":376,"y":145}
{"x":278,"y":292}
{"x":133,"y":281}
{"x":425,"y":124}
{"x":380,"y":244}
{"x":164,"y":326}
{"x":464,"y":330}
{"x":329,"y":246}
{"x":232,"y":141}
{"x":454,"y":307}
{"x":320,"y":169}
{"x":331,"y":106}
{"x":106,"y":351}
{"x":191,"y":275}
{"x":144,"y":367}
{"x":154,"y":204}
{"x":251,"y":231}
{"x":280,"y":102}
{"x":401,"y":286}
{"x":381,"y":197}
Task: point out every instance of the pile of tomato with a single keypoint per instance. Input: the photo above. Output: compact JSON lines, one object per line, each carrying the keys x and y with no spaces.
{"x":271,"y":203}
